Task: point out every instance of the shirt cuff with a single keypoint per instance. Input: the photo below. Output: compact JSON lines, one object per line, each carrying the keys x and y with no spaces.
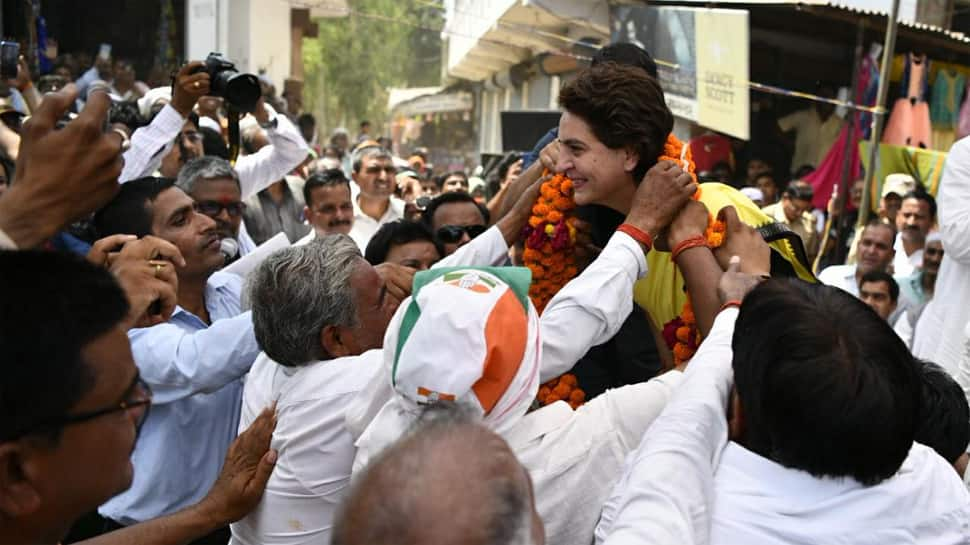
{"x":6,"y":243}
{"x":623,"y":244}
{"x":724,"y":319}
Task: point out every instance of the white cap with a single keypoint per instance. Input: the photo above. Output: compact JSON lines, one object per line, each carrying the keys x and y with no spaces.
{"x":899,"y":184}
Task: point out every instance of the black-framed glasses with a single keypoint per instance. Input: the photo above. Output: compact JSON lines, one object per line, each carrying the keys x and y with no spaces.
{"x":214,"y":208}
{"x":137,"y":394}
{"x":450,"y":234}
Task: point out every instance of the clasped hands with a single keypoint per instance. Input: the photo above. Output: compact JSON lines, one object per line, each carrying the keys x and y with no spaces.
{"x":663,"y":206}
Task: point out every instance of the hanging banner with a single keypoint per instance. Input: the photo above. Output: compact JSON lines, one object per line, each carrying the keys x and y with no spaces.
{"x":702,"y":60}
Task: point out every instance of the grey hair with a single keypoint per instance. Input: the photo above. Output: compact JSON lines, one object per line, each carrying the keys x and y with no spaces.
{"x":298,"y":291}
{"x":206,"y":167}
{"x":368,"y":151}
{"x":390,"y":500}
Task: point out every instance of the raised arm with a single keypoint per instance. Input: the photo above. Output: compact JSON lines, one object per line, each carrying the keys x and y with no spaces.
{"x":286,"y":151}
{"x":178,"y":364}
{"x":590,"y":309}
{"x":149,"y":145}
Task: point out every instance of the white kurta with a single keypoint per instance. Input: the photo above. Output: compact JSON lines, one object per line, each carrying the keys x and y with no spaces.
{"x":939,"y":332}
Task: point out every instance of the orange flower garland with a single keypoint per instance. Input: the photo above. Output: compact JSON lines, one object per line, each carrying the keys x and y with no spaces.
{"x":681,"y":333}
{"x":550,"y":239}
{"x":564,"y":388}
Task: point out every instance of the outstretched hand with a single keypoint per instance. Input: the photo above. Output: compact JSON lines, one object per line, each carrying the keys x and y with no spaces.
{"x":248,"y":466}
{"x":735,"y":285}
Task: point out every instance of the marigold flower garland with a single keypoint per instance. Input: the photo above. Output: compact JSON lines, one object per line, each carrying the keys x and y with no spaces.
{"x":550,"y":239}
{"x":681,"y":334}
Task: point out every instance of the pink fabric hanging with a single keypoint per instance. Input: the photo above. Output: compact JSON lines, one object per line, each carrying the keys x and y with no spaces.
{"x":829,"y":171}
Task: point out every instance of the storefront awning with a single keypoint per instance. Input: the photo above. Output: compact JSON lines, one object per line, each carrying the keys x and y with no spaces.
{"x":489,"y":36}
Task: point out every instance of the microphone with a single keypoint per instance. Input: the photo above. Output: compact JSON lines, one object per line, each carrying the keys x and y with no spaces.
{"x":229,"y":248}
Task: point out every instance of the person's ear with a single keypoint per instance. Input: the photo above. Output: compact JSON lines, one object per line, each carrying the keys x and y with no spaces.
{"x":18,"y":495}
{"x":630,"y":159}
{"x":335,"y":341}
{"x":735,"y":417}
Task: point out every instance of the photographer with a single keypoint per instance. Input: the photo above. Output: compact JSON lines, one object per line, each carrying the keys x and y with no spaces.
{"x":151,"y":144}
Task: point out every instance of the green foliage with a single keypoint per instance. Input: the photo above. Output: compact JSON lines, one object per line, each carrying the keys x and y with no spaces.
{"x":355,"y":59}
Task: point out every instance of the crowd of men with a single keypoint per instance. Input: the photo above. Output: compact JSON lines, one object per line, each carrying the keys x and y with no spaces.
{"x":374,"y":379}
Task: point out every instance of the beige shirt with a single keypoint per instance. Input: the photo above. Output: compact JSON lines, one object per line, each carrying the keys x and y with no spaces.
{"x":813,"y":137}
{"x":803,"y":226}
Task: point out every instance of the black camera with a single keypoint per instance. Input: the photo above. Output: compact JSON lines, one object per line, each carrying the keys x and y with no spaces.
{"x":9,"y":55}
{"x":241,"y":91}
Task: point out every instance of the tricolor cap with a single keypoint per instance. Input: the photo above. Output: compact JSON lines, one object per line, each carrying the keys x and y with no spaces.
{"x":468,"y":336}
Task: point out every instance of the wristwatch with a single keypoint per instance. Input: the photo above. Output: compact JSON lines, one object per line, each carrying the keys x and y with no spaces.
{"x":271,"y":124}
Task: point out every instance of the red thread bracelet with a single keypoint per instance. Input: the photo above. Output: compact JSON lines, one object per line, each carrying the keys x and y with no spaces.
{"x":728,"y":304}
{"x":642,"y":237}
{"x":686,"y":244}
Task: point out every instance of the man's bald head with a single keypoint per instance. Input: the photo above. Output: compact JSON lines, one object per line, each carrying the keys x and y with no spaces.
{"x":449,"y":481}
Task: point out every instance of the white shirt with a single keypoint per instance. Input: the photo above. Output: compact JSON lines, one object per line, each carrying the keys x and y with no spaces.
{"x":257,"y":171}
{"x":575,"y":457}
{"x":312,"y":472}
{"x":316,"y":448}
{"x":590,"y":309}
{"x":904,"y":265}
{"x":939,"y":332}
{"x":840,"y":276}
{"x":687,"y":484}
{"x":760,"y":501}
{"x":365,"y":226}
{"x":665,"y":492}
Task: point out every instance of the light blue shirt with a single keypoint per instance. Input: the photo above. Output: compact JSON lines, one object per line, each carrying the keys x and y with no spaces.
{"x":195,"y":371}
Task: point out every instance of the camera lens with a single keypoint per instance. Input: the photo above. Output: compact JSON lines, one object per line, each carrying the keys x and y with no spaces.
{"x":241,"y":90}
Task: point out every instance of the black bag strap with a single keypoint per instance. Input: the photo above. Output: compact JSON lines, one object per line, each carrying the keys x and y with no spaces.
{"x":774,"y":231}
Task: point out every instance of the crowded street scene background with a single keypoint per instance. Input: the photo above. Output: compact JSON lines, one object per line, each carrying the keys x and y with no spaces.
{"x":485,"y":272}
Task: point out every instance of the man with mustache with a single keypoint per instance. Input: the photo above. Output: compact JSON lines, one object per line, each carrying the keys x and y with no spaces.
{"x":329,"y":207}
{"x":875,"y":254}
{"x":915,"y":219}
{"x":375,"y":204}
{"x":194,"y":363}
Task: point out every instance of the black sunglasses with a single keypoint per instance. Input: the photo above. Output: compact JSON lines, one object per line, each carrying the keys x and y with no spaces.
{"x":137,"y":394}
{"x":214,"y":208}
{"x":450,"y":234}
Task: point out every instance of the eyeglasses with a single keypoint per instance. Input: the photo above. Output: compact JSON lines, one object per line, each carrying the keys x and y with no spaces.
{"x":450,"y":234}
{"x":137,"y":394}
{"x":191,"y":136}
{"x":214,"y":208}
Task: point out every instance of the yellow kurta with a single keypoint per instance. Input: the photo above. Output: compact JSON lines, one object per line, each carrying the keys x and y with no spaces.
{"x":662,"y":293}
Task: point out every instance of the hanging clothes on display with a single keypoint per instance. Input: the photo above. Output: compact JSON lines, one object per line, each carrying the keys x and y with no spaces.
{"x":945,"y":102}
{"x":868,"y":88}
{"x":829,"y":171}
{"x":909,"y":123}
